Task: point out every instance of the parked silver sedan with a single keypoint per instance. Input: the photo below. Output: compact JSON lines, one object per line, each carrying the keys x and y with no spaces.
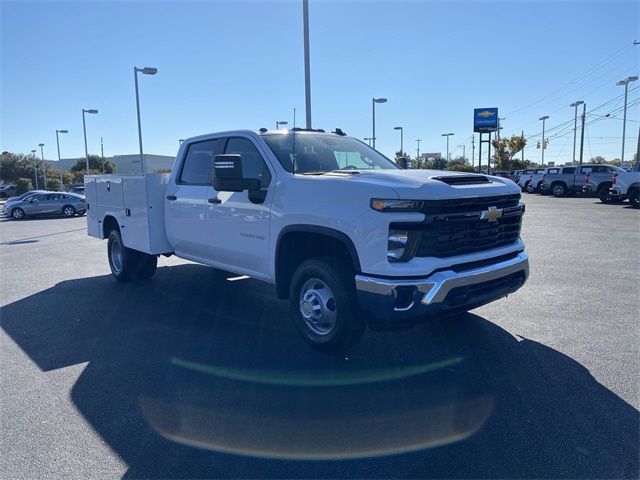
{"x":50,"y":203}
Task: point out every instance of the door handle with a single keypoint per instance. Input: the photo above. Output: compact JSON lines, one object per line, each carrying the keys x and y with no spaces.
{"x":171,"y":197}
{"x":214,"y":200}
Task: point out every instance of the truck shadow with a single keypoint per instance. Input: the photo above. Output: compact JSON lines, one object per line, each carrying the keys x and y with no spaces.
{"x":193,"y":375}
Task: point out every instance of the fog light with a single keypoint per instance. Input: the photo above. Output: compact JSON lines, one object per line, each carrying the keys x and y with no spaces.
{"x":397,"y":243}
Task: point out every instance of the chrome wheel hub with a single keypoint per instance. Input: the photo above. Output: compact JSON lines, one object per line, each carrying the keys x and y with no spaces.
{"x":318,"y":306}
{"x":116,"y":256}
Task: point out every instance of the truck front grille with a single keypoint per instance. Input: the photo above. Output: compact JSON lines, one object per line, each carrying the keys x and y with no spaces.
{"x":456,"y":227}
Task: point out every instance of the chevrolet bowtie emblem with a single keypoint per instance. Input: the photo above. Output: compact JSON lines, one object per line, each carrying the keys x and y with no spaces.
{"x":491,"y":214}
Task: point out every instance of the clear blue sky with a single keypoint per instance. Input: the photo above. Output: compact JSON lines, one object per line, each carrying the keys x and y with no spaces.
{"x":229,"y":65}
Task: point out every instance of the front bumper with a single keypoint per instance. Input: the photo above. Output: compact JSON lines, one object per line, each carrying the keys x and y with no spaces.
{"x":392,"y":301}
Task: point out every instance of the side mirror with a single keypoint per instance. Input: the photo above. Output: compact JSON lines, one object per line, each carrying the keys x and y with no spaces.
{"x":228,"y":175}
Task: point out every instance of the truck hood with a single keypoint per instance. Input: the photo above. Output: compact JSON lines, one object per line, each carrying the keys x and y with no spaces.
{"x":431,"y":184}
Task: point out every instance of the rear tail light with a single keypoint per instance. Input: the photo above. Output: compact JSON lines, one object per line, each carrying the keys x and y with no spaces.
{"x":614,"y":178}
{"x":586,"y":178}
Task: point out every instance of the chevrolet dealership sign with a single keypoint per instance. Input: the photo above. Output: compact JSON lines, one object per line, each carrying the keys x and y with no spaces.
{"x":485,"y":119}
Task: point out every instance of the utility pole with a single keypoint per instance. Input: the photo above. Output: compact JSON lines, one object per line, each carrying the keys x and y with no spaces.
{"x":584,"y":114}
{"x":625,"y":82}
{"x":307,"y":68}
{"x":522,"y":149}
{"x":418,"y":149}
{"x":575,"y":127}
{"x":102,"y":153}
{"x":544,"y":118}
{"x":473,"y":149}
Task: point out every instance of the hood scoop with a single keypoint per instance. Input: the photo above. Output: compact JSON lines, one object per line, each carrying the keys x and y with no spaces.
{"x":463,"y":180}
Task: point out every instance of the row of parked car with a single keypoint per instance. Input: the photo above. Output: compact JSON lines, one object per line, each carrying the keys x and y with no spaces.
{"x":37,"y":203}
{"x":609,"y":182}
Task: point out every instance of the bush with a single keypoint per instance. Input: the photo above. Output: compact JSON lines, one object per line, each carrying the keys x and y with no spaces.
{"x":23,"y":185}
{"x":53,"y":184}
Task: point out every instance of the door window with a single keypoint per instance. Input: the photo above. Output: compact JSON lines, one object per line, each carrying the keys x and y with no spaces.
{"x":253,"y":165}
{"x":197,"y":168}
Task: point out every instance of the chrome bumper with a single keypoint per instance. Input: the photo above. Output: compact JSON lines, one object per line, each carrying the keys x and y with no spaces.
{"x":614,"y":192}
{"x":375,"y":293}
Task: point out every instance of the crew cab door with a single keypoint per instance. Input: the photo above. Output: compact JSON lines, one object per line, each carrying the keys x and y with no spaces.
{"x":185,"y":200}
{"x":237,"y":223}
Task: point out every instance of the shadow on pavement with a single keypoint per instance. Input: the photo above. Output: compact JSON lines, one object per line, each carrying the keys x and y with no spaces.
{"x":192,"y":375}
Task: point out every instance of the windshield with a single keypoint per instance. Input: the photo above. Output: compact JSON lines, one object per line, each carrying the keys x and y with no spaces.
{"x":319,"y":153}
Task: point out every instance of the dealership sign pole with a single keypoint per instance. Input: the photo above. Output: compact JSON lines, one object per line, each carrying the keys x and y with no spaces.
{"x":485,"y":120}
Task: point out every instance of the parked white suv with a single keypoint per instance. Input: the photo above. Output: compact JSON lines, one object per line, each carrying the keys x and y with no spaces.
{"x":342,"y":232}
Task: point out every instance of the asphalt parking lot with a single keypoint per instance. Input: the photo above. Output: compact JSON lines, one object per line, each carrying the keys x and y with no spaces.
{"x":195,"y":376}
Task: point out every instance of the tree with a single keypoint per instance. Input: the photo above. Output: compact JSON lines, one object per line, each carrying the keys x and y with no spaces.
{"x":460,"y":164}
{"x":14,"y":166}
{"x":23,"y":185}
{"x":598,"y":159}
{"x":436,"y":163}
{"x":96,"y":165}
{"x":506,"y":149}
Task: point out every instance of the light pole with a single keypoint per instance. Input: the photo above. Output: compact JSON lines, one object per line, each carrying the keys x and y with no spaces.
{"x":44,"y":170}
{"x":368,"y":140}
{"x":447,"y":135}
{"x":84,"y":129}
{"x":59,"y":162}
{"x":307,"y":67}
{"x":401,"y":139}
{"x":625,"y":82}
{"x":145,"y":71}
{"x":464,"y":151}
{"x":281,"y":123}
{"x":35,"y":166}
{"x":543,"y":145}
{"x":575,"y":126}
{"x":418,"y":140}
{"x":373,"y":103}
{"x":584,"y":117}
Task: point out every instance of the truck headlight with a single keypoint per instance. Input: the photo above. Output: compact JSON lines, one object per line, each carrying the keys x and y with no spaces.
{"x":396,"y":205}
{"x":402,"y":243}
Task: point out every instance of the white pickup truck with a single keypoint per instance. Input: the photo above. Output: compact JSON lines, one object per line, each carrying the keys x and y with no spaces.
{"x":627,"y":185}
{"x":348,"y":237}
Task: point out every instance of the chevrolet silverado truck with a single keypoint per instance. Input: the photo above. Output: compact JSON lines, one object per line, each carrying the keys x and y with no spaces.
{"x":627,"y":185}
{"x":537,"y":177}
{"x":587,"y":178}
{"x":343,"y":233}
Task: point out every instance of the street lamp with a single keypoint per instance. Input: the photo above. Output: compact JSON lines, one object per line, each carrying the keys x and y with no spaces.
{"x":418,"y":140}
{"x":401,"y":139}
{"x":368,"y":140}
{"x":281,"y":123}
{"x":44,"y":170}
{"x":144,"y":71}
{"x":625,"y":82}
{"x":447,"y":135}
{"x":35,"y":166}
{"x":59,"y":162}
{"x":373,"y":103}
{"x":84,"y":129}
{"x":575,"y":126}
{"x":543,"y":145}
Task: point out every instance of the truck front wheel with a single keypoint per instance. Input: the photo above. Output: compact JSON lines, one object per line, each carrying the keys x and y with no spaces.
{"x":323,"y":305}
{"x":127,"y":264}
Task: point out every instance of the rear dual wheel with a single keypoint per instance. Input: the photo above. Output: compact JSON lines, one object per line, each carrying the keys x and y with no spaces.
{"x":127,"y":264}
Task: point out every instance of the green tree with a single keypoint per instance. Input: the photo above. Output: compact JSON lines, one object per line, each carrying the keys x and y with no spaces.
{"x":598,"y":159}
{"x":96,"y":165}
{"x":506,"y":149}
{"x":460,"y":164}
{"x":23,"y":185}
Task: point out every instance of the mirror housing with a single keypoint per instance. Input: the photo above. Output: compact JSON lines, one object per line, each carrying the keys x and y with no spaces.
{"x":228,"y":175}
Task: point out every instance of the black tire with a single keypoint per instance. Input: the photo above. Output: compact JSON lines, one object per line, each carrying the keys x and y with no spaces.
{"x":127,"y":264}
{"x":603,"y":195}
{"x":330,"y":290}
{"x":17,"y":214}
{"x":558,"y":189}
{"x":69,"y":211}
{"x":529,"y":188}
{"x":634,"y":197}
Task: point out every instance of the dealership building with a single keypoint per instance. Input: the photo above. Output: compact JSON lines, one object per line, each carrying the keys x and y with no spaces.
{"x":125,"y":164}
